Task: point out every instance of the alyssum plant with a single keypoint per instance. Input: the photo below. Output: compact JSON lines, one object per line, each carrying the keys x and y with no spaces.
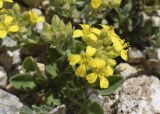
{"x":75,"y":61}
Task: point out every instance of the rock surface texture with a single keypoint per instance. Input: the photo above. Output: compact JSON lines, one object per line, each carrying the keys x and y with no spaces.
{"x":139,"y":96}
{"x":3,"y":77}
{"x":125,"y":70}
{"x":9,"y":104}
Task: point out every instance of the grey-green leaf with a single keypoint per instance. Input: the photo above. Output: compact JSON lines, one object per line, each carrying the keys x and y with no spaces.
{"x":52,"y":70}
{"x":23,"y":82}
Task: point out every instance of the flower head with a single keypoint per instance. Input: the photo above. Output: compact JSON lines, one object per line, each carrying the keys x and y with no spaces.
{"x":35,"y":18}
{"x":96,"y":3}
{"x":101,"y":71}
{"x":82,"y":59}
{"x":87,"y":33}
{"x":1,"y":2}
{"x":7,"y":26}
{"x":118,"y":44}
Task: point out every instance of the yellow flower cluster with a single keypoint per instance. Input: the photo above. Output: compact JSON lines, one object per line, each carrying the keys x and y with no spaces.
{"x":10,"y":23}
{"x":104,"y":45}
{"x":7,"y":25}
{"x":34,"y":17}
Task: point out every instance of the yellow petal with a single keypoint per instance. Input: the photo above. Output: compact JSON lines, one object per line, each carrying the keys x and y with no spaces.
{"x":73,"y":59}
{"x":104,"y":82}
{"x":96,"y":31}
{"x":13,"y":28}
{"x":8,"y":0}
{"x":116,"y":43}
{"x":108,"y":71}
{"x":3,"y":33}
{"x":91,"y":78}
{"x":8,"y":20}
{"x":96,"y":3}
{"x":40,"y":19}
{"x":90,"y":51}
{"x":124,"y":55}
{"x":97,"y":63}
{"x":92,"y":37}
{"x":77,"y":33}
{"x":85,"y":26}
{"x":81,"y":70}
{"x":1,"y":4}
{"x":111,"y":62}
{"x":106,"y":27}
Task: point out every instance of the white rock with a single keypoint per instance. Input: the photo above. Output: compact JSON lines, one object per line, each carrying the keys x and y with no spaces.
{"x":152,"y":66}
{"x":9,"y":104}
{"x":9,"y":42}
{"x":158,"y":12}
{"x":125,"y":70}
{"x":139,"y":96}
{"x":3,"y":77}
{"x":135,"y":55}
{"x":152,"y":53}
{"x":59,"y":110}
{"x":155,"y":21}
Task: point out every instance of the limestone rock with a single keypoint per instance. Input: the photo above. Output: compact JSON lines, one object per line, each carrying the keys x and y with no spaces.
{"x":3,"y":77}
{"x":135,"y":55}
{"x":125,"y":70}
{"x":152,"y":53}
{"x":152,"y":66}
{"x":9,"y":104}
{"x":59,"y":110}
{"x":139,"y":96}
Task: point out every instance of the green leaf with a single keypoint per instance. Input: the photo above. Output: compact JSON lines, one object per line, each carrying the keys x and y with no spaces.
{"x":94,"y":108}
{"x":26,"y":110}
{"x":29,"y":64}
{"x":52,"y":70}
{"x":127,"y":8}
{"x":115,"y":82}
{"x":23,"y":82}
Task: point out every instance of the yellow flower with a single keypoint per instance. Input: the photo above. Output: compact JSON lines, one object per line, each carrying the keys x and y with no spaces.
{"x":118,"y":44}
{"x":35,"y":18}
{"x":82,"y":59}
{"x":87,"y":33}
{"x":1,"y":2}
{"x":101,"y":71}
{"x":96,"y":3}
{"x":7,"y":26}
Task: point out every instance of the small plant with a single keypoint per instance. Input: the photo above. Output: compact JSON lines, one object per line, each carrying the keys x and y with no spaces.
{"x":68,"y":62}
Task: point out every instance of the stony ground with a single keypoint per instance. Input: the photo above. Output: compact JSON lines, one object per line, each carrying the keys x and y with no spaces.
{"x":139,"y":94}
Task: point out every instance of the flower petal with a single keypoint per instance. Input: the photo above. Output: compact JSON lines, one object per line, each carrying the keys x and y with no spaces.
{"x":108,"y":71}
{"x":77,"y":33}
{"x":124,"y":55}
{"x":3,"y":33}
{"x":73,"y":59}
{"x":8,"y":20}
{"x":8,"y":0}
{"x":97,"y":63}
{"x":91,"y":78}
{"x":81,"y":70}
{"x":40,"y":19}
{"x":90,"y":51}
{"x":111,"y":62}
{"x":1,"y":4}
{"x":13,"y":28}
{"x":96,"y":31}
{"x":92,"y":37}
{"x":104,"y":82}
